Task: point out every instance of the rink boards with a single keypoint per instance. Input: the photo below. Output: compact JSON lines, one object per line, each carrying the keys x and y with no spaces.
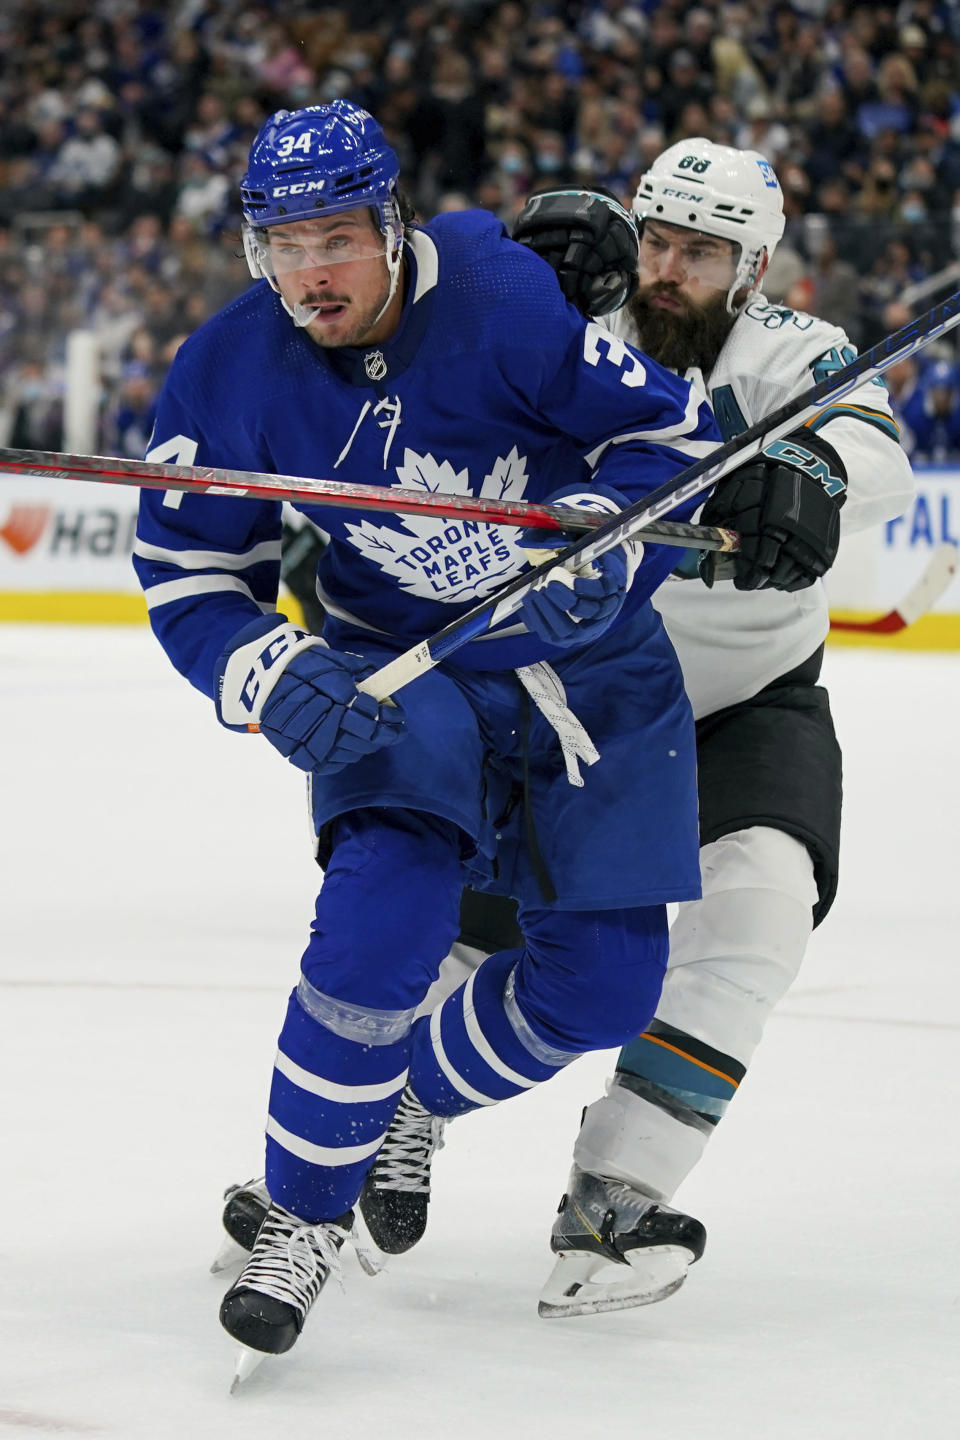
{"x":65,"y":551}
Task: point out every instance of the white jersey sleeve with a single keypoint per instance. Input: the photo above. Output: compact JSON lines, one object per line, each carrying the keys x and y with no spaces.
{"x":773,"y":355}
{"x":732,"y":643}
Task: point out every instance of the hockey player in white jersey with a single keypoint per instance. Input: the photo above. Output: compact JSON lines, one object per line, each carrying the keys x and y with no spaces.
{"x":750,"y":643}
{"x":750,"y":648}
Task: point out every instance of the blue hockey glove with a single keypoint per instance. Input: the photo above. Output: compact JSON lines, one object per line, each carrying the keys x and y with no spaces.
{"x":575,"y":607}
{"x":302,"y":696}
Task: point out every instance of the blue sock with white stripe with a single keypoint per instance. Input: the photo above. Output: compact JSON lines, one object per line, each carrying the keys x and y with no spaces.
{"x":386,"y":915}
{"x":324,"y":1126}
{"x":477,"y":1048}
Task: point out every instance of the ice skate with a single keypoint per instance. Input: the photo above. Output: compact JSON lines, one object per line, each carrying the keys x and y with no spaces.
{"x":244,"y":1210}
{"x":396,"y":1193}
{"x":605,"y":1223}
{"x":290,"y":1264}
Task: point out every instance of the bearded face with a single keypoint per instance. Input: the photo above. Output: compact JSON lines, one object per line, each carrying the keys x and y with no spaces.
{"x":680,"y":307}
{"x":682,"y":333}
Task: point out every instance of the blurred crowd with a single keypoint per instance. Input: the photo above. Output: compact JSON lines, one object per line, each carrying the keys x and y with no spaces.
{"x":125,"y":126}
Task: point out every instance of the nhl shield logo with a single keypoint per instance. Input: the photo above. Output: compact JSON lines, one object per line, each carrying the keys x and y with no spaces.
{"x":375,"y":365}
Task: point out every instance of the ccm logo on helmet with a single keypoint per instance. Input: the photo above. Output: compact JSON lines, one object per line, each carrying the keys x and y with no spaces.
{"x":682,"y":195}
{"x":304,"y":188}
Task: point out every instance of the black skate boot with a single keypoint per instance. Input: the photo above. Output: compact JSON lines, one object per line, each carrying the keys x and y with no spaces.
{"x":244,"y":1210}
{"x":396,"y":1193}
{"x":289,"y":1266}
{"x":604,"y":1222}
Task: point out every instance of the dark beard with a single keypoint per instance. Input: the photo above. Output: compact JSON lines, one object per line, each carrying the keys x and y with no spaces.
{"x":681,"y":339}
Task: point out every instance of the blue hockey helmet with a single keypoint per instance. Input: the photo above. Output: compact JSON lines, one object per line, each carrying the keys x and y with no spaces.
{"x":318,"y":161}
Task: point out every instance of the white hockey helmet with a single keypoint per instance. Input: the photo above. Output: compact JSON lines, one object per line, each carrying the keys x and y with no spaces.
{"x":719,"y":191}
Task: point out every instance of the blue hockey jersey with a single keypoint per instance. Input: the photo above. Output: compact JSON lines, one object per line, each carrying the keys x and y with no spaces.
{"x":492,"y":385}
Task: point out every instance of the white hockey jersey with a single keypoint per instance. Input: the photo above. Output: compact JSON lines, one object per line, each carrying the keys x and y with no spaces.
{"x":731,"y":643}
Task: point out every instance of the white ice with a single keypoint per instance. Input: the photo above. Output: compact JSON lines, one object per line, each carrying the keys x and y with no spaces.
{"x":157,"y":885}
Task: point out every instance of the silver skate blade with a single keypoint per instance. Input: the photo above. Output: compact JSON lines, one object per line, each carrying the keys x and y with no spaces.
{"x":370,"y":1257}
{"x":229,"y":1254}
{"x":649,"y":1276}
{"x":247,"y":1361}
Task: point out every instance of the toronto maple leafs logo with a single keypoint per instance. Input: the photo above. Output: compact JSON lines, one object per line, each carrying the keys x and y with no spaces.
{"x":448,"y":560}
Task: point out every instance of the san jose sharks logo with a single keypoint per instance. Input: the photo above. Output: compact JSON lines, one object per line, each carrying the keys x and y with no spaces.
{"x":449,"y":560}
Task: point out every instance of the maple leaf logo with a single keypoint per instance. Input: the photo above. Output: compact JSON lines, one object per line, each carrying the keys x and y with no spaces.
{"x":452,"y":560}
{"x":508,"y":478}
{"x":422,"y":472}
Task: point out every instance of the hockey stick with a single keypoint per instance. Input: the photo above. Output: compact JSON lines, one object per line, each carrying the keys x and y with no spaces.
{"x":921,"y":597}
{"x":252,"y":485}
{"x":692,"y":481}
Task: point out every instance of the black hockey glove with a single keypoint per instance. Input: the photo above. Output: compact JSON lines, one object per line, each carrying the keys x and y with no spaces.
{"x":591,"y":242}
{"x":785,"y":506}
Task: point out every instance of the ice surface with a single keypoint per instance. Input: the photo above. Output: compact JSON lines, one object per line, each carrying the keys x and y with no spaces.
{"x":156,"y":890}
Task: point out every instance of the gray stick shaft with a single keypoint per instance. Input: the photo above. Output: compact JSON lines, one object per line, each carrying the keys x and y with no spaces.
{"x":339,"y":494}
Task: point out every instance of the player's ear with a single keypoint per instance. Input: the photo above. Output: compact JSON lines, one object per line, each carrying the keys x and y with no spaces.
{"x":762,"y":267}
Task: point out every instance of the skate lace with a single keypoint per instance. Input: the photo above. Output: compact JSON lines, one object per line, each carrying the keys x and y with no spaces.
{"x":413,"y":1138}
{"x":291,"y":1260}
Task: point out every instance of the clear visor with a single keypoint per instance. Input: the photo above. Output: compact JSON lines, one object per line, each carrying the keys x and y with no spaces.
{"x":287,"y":249}
{"x":686,"y":257}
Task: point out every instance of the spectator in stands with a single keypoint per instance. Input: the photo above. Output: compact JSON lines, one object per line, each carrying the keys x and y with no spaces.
{"x":114,"y":319}
{"x":932,"y":414}
{"x":685,"y":85}
{"x":129,"y":419}
{"x":901,"y":381}
{"x":87,"y":163}
{"x":835,"y":146}
{"x":204,"y":193}
{"x":446,"y":127}
{"x":833,"y":287}
{"x":211,"y":131}
{"x":895,"y":106}
{"x":893,"y":272}
{"x":763,"y":131}
{"x":131,"y":121}
{"x":282,"y":70}
{"x":36,"y":402}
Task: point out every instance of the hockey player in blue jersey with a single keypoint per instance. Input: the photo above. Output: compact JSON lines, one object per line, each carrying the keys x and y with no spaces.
{"x":442,"y":356}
